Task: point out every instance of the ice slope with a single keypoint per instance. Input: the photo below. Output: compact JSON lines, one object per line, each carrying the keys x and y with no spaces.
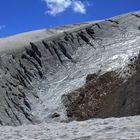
{"x":115,"y":43}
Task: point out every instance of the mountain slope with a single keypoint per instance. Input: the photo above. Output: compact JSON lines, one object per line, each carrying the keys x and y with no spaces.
{"x":39,"y":68}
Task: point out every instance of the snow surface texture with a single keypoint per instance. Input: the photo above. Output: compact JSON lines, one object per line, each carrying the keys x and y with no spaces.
{"x":96,"y":129}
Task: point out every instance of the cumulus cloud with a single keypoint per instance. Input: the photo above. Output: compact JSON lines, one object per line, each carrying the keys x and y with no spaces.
{"x":2,"y":27}
{"x":58,"y":6}
{"x":79,"y":7}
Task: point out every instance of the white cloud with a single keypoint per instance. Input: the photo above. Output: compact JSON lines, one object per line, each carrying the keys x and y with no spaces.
{"x":58,"y":6}
{"x":2,"y":27}
{"x":79,"y":7}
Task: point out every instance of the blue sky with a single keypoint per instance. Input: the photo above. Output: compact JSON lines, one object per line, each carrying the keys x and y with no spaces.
{"x":17,"y":16}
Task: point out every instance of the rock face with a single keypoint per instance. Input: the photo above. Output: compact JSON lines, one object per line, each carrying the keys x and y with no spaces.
{"x":87,"y":101}
{"x":39,"y":76}
{"x":105,"y":95}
